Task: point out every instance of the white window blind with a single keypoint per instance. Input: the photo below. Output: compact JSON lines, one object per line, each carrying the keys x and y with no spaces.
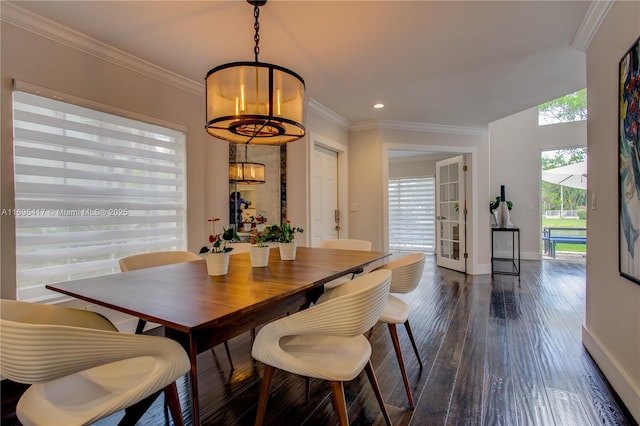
{"x":412,"y":214}
{"x":90,"y":188}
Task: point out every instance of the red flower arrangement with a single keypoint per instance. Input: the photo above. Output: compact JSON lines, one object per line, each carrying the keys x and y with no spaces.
{"x":219,"y":241}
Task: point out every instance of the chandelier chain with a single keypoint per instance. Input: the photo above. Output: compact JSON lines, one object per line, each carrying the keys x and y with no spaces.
{"x":256,"y":26}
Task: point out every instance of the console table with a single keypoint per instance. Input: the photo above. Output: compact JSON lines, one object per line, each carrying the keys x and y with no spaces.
{"x":506,"y":265}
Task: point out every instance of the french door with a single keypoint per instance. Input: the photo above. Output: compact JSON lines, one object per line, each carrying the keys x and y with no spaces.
{"x":451,"y":251}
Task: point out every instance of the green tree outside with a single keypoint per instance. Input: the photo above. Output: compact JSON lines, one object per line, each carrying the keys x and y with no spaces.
{"x":572,"y":107}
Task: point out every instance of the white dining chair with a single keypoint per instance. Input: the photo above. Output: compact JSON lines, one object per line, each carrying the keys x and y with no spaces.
{"x":406,"y":274}
{"x":326,"y":341}
{"x":81,"y":369}
{"x":159,"y":258}
{"x":344,"y":244}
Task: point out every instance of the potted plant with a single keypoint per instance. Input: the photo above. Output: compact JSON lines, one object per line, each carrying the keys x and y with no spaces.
{"x":284,"y":235}
{"x":259,"y":250}
{"x":260,"y":221}
{"x":218,"y":255}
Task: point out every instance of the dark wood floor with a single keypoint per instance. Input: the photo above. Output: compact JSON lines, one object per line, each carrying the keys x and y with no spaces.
{"x":497,"y":351}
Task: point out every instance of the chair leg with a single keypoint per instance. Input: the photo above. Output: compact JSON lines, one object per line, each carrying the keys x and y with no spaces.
{"x":337,"y":394}
{"x":173,"y":401}
{"x":413,"y":342}
{"x":396,"y":346}
{"x":264,"y":394}
{"x":253,"y":339}
{"x":376,"y":390}
{"x":226,"y":348}
{"x":140,"y":326}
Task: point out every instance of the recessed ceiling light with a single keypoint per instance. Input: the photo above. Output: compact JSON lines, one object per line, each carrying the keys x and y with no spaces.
{"x":378,"y":106}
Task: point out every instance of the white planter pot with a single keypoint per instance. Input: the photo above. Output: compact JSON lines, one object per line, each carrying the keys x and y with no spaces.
{"x":246,"y":227}
{"x":260,"y":227}
{"x":217,"y":264}
{"x":259,"y":256}
{"x":287,"y":250}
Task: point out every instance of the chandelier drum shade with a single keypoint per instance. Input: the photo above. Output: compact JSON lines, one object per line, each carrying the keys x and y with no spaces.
{"x":254,"y":102}
{"x":244,"y":172}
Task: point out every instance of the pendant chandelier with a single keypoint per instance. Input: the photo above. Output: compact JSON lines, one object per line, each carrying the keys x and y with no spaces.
{"x":246,"y":171}
{"x":254,"y":102}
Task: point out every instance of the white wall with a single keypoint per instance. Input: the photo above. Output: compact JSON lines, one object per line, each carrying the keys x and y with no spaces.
{"x":516,"y":143}
{"x":416,"y":166}
{"x":368,"y":167}
{"x":612,"y":328}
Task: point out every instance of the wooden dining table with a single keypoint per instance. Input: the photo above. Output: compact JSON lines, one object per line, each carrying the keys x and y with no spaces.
{"x":201,"y":311}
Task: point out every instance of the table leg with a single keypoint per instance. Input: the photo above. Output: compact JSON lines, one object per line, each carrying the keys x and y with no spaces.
{"x":195,"y":403}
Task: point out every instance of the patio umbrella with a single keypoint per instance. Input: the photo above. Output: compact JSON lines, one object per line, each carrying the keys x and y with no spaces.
{"x":573,"y":175}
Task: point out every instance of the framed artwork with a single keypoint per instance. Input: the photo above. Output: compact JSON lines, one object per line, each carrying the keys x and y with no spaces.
{"x":629,"y":163}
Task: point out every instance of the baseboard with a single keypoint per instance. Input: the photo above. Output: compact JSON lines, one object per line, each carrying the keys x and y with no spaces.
{"x":628,"y":392}
{"x":483,"y":269}
{"x":531,"y":255}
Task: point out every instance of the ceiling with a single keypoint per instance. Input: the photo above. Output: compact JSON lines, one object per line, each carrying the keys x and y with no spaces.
{"x":452,"y":63}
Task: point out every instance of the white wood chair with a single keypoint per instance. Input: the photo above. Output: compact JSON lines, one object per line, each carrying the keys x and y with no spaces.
{"x":406,"y":274}
{"x":344,"y":244}
{"x":326,"y":341}
{"x":81,"y":369}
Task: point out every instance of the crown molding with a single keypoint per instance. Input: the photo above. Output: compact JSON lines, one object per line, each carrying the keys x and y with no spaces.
{"x":51,"y":30}
{"x":590,"y":24}
{"x":417,"y":127}
{"x":344,"y":124}
{"x":327,"y":114}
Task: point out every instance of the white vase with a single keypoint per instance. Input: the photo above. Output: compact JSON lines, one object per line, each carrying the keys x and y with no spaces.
{"x":259,"y":256}
{"x":217,"y":264}
{"x":287,"y":250}
{"x":504,"y":214}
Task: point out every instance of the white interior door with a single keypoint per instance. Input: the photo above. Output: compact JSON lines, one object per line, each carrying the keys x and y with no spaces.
{"x":450,"y":214}
{"x":325,"y":220}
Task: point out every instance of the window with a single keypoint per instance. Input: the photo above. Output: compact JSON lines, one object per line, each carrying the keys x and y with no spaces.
{"x":91,"y":187}
{"x":572,"y":107}
{"x":412,"y":214}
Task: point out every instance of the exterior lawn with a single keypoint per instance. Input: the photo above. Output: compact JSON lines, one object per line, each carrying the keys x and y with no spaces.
{"x":564,"y":223}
